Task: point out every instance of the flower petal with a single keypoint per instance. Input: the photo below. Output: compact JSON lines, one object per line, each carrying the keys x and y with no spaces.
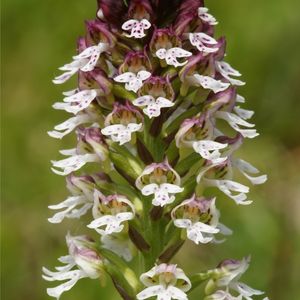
{"x":143,"y":75}
{"x":144,"y":100}
{"x":125,"y":77}
{"x":211,"y":83}
{"x":150,"y":292}
{"x":113,"y":129}
{"x":149,"y":189}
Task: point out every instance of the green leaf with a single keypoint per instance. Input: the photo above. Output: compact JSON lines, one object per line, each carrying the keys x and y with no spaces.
{"x":184,"y":165}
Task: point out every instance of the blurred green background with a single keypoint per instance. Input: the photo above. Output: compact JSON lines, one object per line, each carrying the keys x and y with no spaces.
{"x":263,"y":43}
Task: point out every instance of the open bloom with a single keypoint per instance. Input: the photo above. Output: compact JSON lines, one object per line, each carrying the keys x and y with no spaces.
{"x":210,"y":150}
{"x":152,"y":106}
{"x":122,"y":123}
{"x":82,"y":261}
{"x":193,"y":130}
{"x":200,"y":218}
{"x":133,"y":82}
{"x":85,"y":62}
{"x":230,"y":273}
{"x":80,"y":201}
{"x":160,"y":180}
{"x":165,"y":282}
{"x":76,"y":101}
{"x":91,"y":148}
{"x":110,"y":213}
{"x":171,"y":55}
{"x":220,"y":174}
{"x":136,"y":27}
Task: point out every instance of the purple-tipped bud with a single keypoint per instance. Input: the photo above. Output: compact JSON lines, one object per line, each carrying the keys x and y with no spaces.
{"x":79,"y":185}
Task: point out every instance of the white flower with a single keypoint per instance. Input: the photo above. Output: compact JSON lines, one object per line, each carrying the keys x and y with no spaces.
{"x":72,"y":163}
{"x":153,"y":106}
{"x":233,"y":270}
{"x":69,"y":125}
{"x":161,"y":193}
{"x":206,"y":17}
{"x":235,"y":122}
{"x":200,"y":218}
{"x":76,"y":102}
{"x":165,"y":282}
{"x":133,"y":81}
{"x":210,"y":83}
{"x":210,"y":150}
{"x":82,"y":256}
{"x":121,"y":210}
{"x":69,"y":208}
{"x":222,"y":295}
{"x":232,"y":189}
{"x":118,"y":245}
{"x":226,"y":71}
{"x":121,"y":133}
{"x":171,"y":55}
{"x":137,"y":27}
{"x":85,"y":61}
{"x":203,"y":42}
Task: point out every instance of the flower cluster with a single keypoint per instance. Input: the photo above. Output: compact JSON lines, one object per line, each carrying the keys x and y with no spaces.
{"x":157,"y":113}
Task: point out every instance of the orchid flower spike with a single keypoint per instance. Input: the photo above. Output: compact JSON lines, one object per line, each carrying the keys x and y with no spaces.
{"x":158,"y":120}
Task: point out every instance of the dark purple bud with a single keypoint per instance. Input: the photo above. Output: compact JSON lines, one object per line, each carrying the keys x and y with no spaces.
{"x":187,"y":19}
{"x":114,"y":11}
